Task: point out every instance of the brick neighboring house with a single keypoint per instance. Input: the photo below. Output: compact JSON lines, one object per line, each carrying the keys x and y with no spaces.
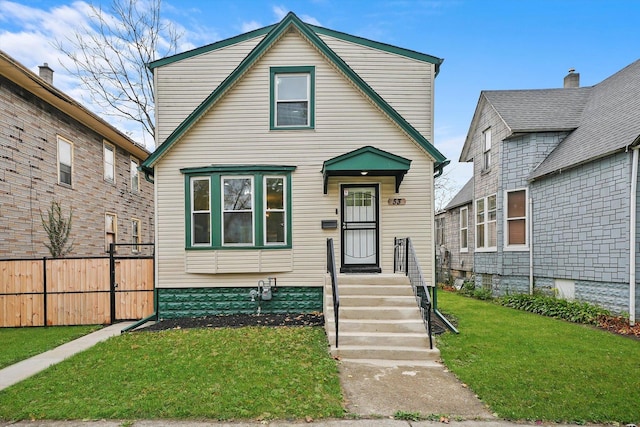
{"x":556,"y":199}
{"x":53,"y":148}
{"x":455,"y":237}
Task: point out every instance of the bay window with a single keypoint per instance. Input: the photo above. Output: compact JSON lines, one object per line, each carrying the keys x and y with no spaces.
{"x":232,"y":207}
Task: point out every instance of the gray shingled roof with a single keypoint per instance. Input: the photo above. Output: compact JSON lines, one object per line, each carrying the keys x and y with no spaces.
{"x":610,"y":122}
{"x":463,"y":197}
{"x":539,"y":110}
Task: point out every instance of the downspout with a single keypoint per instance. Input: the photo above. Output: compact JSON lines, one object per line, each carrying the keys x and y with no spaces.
{"x":632,"y":237}
{"x":530,"y":245}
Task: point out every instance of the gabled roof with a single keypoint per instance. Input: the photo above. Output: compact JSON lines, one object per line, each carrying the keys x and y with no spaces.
{"x":463,"y":197}
{"x":600,"y":119}
{"x":28,"y":80}
{"x":523,"y":111}
{"x":272,"y":36}
{"x":610,"y":122}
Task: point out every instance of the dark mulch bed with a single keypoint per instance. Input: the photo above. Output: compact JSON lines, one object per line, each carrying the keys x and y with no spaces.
{"x":239,"y":320}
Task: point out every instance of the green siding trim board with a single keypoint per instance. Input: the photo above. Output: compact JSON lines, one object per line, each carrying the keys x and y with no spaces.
{"x":198,"y":302}
{"x":291,"y":20}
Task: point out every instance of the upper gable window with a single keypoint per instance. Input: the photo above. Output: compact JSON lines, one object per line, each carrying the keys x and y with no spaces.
{"x":292,"y":97}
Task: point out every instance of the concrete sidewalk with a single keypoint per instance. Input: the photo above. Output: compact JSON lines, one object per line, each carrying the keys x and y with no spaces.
{"x":26,"y":368}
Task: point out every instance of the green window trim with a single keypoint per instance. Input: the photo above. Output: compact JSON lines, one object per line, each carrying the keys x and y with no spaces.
{"x":310,"y":71}
{"x":216,"y":175}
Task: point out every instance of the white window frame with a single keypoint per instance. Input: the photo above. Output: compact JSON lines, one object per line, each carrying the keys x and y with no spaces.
{"x":485,"y":222}
{"x":194,"y":212}
{"x":114,"y":221}
{"x":223,"y":178}
{"x":518,"y":247}
{"x":62,"y":140}
{"x":135,"y":234}
{"x":486,"y":150}
{"x":265,"y":211}
{"x":277,"y":101}
{"x":109,"y":147}
{"x":134,"y":175}
{"x":464,"y":213}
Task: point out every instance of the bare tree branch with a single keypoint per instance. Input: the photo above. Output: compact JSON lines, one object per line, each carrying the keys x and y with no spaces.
{"x":445,"y":190}
{"x":110,"y":55}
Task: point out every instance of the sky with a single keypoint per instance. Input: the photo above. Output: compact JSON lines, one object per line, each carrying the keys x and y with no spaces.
{"x":485,"y":44}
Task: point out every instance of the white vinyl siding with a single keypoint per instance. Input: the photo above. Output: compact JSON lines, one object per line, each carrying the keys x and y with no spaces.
{"x":215,"y":140}
{"x":183,"y":85}
{"x":405,"y":83}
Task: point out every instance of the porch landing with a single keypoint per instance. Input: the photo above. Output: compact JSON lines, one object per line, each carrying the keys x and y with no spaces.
{"x":379,"y":323}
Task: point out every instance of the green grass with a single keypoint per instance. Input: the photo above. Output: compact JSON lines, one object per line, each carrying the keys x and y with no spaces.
{"x":224,"y":374}
{"x":21,"y":343}
{"x":530,"y":367}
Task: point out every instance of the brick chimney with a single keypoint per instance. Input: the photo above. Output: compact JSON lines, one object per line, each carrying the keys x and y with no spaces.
{"x":572,"y":79}
{"x":46,"y":73}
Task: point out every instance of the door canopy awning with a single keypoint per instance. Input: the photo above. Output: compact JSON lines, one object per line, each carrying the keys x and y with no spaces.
{"x":366,"y":161}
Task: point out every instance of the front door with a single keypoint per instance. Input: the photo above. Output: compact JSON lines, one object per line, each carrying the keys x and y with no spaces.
{"x":359,"y":235}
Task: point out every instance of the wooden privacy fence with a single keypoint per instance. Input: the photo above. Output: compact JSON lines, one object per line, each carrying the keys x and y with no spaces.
{"x":75,"y":291}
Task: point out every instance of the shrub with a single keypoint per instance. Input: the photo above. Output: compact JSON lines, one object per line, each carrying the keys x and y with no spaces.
{"x":573,"y":311}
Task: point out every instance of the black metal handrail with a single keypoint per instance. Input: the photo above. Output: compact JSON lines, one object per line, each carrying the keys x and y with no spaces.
{"x":405,"y":261}
{"x":331,"y":269}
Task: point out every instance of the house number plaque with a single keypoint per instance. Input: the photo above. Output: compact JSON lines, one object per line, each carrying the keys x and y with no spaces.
{"x":397,"y":201}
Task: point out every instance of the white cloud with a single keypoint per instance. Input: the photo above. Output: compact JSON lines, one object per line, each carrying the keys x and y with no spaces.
{"x":250,"y":26}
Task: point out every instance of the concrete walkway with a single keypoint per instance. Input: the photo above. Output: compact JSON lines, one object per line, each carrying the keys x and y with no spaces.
{"x":26,"y":368}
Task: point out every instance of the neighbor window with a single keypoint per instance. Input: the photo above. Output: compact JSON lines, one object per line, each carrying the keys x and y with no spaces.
{"x":486,"y":222}
{"x":516,"y":216}
{"x":110,"y":229}
{"x":292,"y":97}
{"x":464,"y":229}
{"x":200,"y":211}
{"x":65,"y":161}
{"x":486,"y":150}
{"x":109,"y":154}
{"x":135,"y":176}
{"x":439,"y":232}
{"x":250,"y":209}
{"x":135,"y":234}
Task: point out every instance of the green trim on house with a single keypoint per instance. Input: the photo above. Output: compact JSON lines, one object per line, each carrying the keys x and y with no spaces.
{"x":210,"y":47}
{"x":380,"y":46}
{"x":197,"y":302}
{"x":215,"y":174}
{"x":291,"y":20}
{"x":311,"y":70}
{"x":368,"y":161}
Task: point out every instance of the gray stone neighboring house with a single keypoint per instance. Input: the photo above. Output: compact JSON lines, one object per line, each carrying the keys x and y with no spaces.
{"x":455,"y":237}
{"x":555,"y":190}
{"x":53,"y":148}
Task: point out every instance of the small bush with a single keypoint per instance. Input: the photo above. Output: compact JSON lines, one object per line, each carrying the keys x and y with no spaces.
{"x":573,"y":311}
{"x":469,"y":289}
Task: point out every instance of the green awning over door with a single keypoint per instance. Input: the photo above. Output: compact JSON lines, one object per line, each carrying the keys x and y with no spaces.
{"x":366,"y":161}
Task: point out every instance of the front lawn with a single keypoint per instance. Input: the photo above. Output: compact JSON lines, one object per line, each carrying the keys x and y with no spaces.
{"x":530,"y":367}
{"x":21,"y":343}
{"x":235,"y":373}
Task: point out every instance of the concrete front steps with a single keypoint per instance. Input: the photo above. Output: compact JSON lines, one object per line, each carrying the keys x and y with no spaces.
{"x":379,"y":322}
